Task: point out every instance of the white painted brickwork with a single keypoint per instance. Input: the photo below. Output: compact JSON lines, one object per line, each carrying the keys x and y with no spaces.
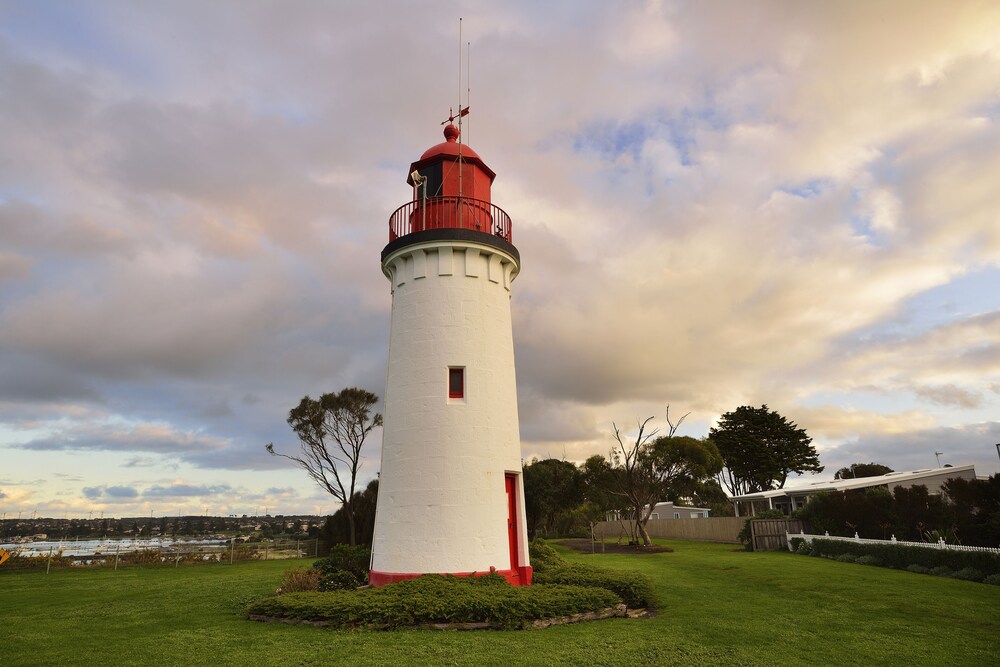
{"x":442,"y":504}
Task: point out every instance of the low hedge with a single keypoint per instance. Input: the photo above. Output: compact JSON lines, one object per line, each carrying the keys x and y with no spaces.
{"x":437,"y":599}
{"x":901,"y":556}
{"x":543,"y":557}
{"x":345,"y":558}
{"x":634,"y":588}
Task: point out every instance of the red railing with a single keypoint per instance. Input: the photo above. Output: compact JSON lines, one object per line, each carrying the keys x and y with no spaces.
{"x":449,"y":213}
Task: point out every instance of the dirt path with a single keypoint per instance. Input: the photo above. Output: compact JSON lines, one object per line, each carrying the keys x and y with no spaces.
{"x":584,"y":546}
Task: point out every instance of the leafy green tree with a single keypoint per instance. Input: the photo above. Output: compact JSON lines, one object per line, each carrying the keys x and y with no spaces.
{"x":551,"y":488}
{"x":871,"y":513}
{"x":337,"y":530}
{"x":332,"y":431}
{"x":710,"y":494}
{"x":919,"y":512}
{"x":856,"y":470}
{"x":760,"y":448}
{"x":598,"y":481}
{"x":976,"y":505}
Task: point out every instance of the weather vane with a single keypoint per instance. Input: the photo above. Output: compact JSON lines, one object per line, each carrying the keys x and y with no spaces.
{"x":451,"y":115}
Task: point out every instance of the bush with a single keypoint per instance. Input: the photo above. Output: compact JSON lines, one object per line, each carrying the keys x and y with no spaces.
{"x":634,"y":588}
{"x":846,"y":558}
{"x":803,"y":548}
{"x":300,"y":580}
{"x":869,"y":560}
{"x":900,"y":556}
{"x":968,"y":574}
{"x":941,"y":571}
{"x":918,"y":569}
{"x":542,"y":556}
{"x":337,"y":580}
{"x":993,"y":579}
{"x":355,"y":560}
{"x":437,"y":599}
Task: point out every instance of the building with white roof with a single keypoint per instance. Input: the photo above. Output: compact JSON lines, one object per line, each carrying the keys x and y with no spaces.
{"x":790,"y":499}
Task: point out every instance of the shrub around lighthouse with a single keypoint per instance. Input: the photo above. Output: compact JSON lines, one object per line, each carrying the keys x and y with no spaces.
{"x":433,"y":599}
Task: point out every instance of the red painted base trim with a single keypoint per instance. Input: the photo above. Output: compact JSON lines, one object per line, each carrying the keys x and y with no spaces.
{"x":519,"y":577}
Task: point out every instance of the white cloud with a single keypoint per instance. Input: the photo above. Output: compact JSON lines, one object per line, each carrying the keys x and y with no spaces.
{"x":714,"y":206}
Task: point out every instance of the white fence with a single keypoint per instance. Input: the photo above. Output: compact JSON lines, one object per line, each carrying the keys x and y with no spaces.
{"x":940,"y":544}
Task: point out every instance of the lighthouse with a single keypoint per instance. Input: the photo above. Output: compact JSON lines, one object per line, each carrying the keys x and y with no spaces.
{"x":450,"y":497}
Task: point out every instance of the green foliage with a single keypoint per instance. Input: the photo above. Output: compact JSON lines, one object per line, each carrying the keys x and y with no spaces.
{"x":645,"y":471}
{"x":437,"y":599}
{"x":760,"y":448}
{"x":846,"y":558}
{"x":993,"y":580}
{"x":188,"y":616}
{"x":338,"y":580}
{"x":901,"y":556}
{"x":918,"y":569}
{"x":976,"y":504}
{"x":634,"y":588}
{"x":968,"y":574}
{"x":543,"y":557}
{"x":869,"y":560}
{"x":551,"y":487}
{"x":332,"y":432}
{"x":709,"y":493}
{"x":344,"y":557}
{"x":856,"y":470}
{"x":908,"y":513}
{"x":337,"y":528}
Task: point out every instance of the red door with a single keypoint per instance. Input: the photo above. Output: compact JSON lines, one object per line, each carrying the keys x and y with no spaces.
{"x":511,"y":484}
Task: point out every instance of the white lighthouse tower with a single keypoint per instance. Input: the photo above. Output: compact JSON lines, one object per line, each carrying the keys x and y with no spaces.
{"x":450,"y":498}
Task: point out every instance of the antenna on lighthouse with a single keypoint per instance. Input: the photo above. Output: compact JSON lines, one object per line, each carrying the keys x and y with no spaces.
{"x":460,"y":121}
{"x":468,"y":79}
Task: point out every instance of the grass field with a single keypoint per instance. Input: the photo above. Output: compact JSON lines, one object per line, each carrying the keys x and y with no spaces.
{"x":718,"y":607}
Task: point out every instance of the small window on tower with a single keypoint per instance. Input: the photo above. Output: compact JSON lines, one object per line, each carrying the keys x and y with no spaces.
{"x":456,"y":382}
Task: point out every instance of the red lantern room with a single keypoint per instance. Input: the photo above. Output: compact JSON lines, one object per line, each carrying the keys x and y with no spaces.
{"x":451,"y":190}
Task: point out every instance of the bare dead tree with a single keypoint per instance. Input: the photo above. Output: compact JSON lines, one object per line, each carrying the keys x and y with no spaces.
{"x":636,"y":478}
{"x":332,"y":431}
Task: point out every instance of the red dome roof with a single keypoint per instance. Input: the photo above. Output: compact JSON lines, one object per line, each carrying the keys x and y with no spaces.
{"x":449,"y":146}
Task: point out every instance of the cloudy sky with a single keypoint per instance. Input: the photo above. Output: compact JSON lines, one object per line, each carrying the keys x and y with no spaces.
{"x":716,"y":204}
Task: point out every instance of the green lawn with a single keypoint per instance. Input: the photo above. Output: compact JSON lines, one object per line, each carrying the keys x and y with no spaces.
{"x":718,"y":607}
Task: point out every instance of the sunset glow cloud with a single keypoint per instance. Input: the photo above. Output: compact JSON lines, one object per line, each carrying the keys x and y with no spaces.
{"x":715,"y":205}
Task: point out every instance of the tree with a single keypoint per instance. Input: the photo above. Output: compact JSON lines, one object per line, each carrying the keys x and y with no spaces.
{"x":856,"y":470}
{"x":709,"y":493}
{"x":976,"y":504}
{"x":551,"y":487}
{"x":648,"y":470}
{"x":760,"y":448}
{"x":331,"y":432}
{"x":337,"y":530}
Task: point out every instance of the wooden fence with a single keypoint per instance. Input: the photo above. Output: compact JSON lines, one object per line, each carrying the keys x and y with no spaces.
{"x":770,"y":534}
{"x":714,"y":529}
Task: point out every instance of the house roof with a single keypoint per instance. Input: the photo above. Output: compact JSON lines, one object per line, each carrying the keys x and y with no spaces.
{"x":855,"y":483}
{"x":670,"y":503}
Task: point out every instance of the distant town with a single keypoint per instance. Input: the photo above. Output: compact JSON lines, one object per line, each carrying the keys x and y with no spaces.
{"x":300,"y":526}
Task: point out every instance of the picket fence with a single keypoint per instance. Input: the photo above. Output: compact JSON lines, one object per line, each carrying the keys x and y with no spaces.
{"x":940,"y":544}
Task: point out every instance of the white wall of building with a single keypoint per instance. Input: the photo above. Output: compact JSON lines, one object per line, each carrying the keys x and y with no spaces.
{"x":442,"y":503}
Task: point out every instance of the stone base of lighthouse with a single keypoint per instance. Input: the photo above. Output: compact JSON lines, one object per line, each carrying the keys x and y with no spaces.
{"x":451,"y":499}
